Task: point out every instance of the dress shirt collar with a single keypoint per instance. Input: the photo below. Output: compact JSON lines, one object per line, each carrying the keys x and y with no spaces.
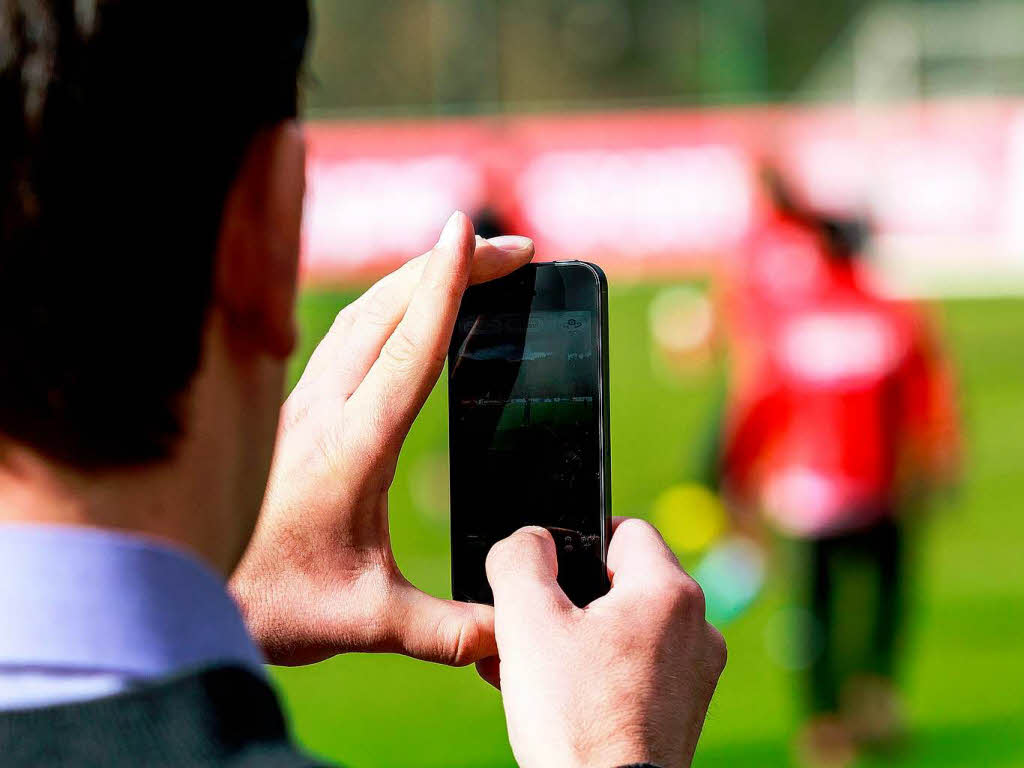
{"x":96,"y":600}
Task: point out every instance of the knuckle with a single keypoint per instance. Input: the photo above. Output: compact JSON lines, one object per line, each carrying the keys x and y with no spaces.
{"x":343,"y":320}
{"x":718,"y":650}
{"x":694,"y":602}
{"x":401,"y":349}
{"x":294,"y":410}
{"x":376,"y":309}
{"x":681,"y":595}
{"x":329,"y":445}
{"x":460,"y":644}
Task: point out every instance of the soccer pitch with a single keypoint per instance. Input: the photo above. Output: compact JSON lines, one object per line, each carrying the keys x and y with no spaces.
{"x":964,"y":671}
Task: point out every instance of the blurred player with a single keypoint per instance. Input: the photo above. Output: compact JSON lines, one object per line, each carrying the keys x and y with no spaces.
{"x":841,"y":414}
{"x":780,"y":264}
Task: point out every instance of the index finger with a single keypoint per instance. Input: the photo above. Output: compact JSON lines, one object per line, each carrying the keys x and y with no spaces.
{"x":410,"y":360}
{"x":355,"y":339}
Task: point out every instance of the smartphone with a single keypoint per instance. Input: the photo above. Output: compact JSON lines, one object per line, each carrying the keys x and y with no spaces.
{"x":528,"y":423}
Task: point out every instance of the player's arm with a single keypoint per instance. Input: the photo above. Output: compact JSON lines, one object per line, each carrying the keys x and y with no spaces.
{"x":932,"y":450}
{"x":749,"y":423}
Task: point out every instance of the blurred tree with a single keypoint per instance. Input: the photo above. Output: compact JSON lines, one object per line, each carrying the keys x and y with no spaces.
{"x":472,"y":55}
{"x":466,"y":50}
{"x":798,"y":35}
{"x":732,"y":49}
{"x":370,"y":55}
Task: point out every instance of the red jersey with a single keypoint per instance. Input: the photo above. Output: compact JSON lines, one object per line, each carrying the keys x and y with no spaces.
{"x":846,"y":402}
{"x":780,"y":265}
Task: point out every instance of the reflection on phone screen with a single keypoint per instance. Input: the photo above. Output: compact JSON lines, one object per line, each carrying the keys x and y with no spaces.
{"x":525,"y":440}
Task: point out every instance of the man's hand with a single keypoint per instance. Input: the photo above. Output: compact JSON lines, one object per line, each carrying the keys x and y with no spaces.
{"x":319,"y":577}
{"x":626,"y":680}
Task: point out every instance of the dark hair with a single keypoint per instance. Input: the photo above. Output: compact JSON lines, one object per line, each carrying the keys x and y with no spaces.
{"x":845,"y":237}
{"x":123,"y":125}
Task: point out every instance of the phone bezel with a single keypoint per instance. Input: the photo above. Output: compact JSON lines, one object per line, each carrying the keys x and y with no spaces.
{"x":555,"y":286}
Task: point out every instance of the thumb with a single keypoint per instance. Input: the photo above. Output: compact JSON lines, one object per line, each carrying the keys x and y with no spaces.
{"x":443,"y":631}
{"x":523,"y":569}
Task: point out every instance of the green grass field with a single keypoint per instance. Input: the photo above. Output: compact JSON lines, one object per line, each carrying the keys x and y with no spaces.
{"x":964,"y":674}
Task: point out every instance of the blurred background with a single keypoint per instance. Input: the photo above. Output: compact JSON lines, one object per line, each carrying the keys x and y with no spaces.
{"x":852,"y":170}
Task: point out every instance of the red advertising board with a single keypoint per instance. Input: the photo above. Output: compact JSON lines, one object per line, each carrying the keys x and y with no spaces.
{"x":668,"y":192}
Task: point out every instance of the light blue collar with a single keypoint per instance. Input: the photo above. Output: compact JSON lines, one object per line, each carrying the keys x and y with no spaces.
{"x":96,"y":600}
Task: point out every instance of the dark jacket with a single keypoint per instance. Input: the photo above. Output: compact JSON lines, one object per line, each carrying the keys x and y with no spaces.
{"x":225,"y":717}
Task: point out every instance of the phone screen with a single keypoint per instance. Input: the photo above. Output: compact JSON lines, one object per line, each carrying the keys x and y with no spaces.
{"x":526,"y":398}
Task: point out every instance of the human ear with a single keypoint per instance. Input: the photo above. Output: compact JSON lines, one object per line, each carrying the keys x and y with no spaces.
{"x":258,"y":251}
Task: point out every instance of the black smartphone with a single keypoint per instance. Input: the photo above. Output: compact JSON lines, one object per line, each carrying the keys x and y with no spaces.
{"x":528,"y":423}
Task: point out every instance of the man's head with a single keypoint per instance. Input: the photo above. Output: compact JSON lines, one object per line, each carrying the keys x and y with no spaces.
{"x":847,"y":237}
{"x":150,"y":197}
{"x":843,"y":238}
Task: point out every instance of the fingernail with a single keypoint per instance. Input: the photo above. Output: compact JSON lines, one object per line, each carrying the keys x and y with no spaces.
{"x":511,"y":243}
{"x":450,"y":233}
